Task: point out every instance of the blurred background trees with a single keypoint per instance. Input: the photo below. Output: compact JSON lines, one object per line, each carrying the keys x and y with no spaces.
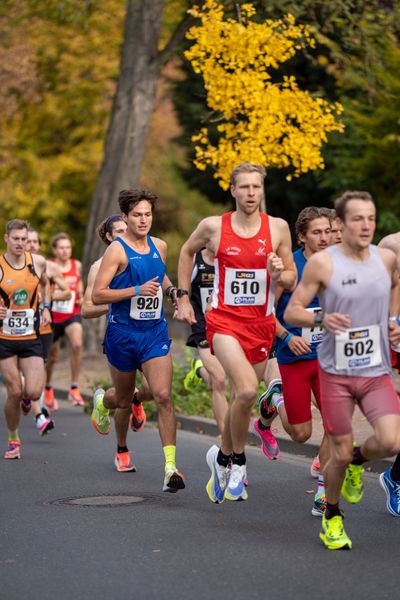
{"x":60,"y":66}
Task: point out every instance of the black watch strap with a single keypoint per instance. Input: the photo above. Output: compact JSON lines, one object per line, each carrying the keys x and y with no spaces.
{"x":180,"y":292}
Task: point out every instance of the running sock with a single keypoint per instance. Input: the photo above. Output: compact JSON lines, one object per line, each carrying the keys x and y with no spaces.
{"x":74,"y":386}
{"x":121,"y":449}
{"x":332,"y":510}
{"x":223,"y":459}
{"x":262,"y":426}
{"x":13,"y":436}
{"x":48,"y":386}
{"x":395,"y":470}
{"x":321,"y":485}
{"x":358,"y":458}
{"x":169,"y":453}
{"x":277,"y":400}
{"x":238,"y":459}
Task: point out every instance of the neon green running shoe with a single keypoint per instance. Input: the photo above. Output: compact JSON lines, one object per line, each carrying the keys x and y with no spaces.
{"x":333,"y":534}
{"x":192,"y":380}
{"x":353,"y":486}
{"x":100,"y":420}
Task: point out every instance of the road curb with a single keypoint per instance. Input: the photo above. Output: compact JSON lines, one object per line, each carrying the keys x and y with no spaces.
{"x":205,"y":426}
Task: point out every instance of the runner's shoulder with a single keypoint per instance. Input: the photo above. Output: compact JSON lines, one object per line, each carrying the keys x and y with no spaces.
{"x":160,"y":244}
{"x":388,"y":256}
{"x":40,"y":263}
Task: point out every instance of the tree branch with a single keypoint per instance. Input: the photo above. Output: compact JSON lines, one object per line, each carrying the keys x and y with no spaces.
{"x":177,"y":37}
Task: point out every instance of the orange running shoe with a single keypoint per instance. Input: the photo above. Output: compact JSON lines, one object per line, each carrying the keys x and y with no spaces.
{"x":122,"y":462}
{"x":138,"y":418}
{"x":75,"y":397}
{"x":49,"y":401}
{"x":13,"y":449}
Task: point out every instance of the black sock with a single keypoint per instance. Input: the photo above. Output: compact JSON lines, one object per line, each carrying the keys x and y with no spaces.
{"x":395,"y":470}
{"x":48,"y":386}
{"x":332,"y":510}
{"x":198,"y":372}
{"x":223,"y":459}
{"x":262,"y":426}
{"x":122,"y":449}
{"x":238,"y":459}
{"x":74,"y":386}
{"x":358,"y":458}
{"x":37,"y":416}
{"x":135,"y":399}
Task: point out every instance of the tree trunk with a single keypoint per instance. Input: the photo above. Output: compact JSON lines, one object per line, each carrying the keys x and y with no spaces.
{"x":130,"y":118}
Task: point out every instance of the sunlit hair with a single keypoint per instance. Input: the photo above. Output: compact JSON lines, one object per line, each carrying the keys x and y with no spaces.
{"x":16,"y":224}
{"x":307,"y":215}
{"x":128,"y":198}
{"x":247,"y":167}
{"x":106,"y":226}
{"x":344,"y":199}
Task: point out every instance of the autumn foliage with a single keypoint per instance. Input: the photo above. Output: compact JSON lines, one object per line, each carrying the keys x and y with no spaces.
{"x":271,"y":123}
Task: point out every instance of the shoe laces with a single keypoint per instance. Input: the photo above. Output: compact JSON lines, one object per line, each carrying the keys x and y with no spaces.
{"x":237,"y":474}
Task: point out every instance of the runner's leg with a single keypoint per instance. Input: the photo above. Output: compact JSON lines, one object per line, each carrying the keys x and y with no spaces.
{"x":217,"y":386}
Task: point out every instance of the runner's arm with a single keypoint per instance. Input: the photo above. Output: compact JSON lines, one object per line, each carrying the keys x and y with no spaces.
{"x":40,"y":267}
{"x":62,"y":291}
{"x":88,"y":309}
{"x":114,"y":259}
{"x":281,"y":265}
{"x":200,"y":237}
{"x":79,"y":287}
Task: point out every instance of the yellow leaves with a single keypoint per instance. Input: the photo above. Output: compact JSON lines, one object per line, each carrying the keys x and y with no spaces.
{"x":274,"y":124}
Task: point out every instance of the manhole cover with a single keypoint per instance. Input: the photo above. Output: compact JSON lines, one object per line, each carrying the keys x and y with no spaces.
{"x":102,"y":500}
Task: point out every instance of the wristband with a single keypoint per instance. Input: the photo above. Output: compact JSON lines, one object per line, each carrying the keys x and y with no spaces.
{"x":170,"y":289}
{"x":394,"y":320}
{"x":137,"y":290}
{"x":47,"y":305}
{"x":287,"y":339}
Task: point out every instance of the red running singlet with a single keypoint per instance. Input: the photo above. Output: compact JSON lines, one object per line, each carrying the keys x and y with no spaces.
{"x":65,"y":309}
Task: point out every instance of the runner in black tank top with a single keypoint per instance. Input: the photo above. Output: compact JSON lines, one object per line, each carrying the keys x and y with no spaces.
{"x":208,"y":366}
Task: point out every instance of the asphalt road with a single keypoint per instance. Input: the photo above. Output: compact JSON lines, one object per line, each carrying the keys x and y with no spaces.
{"x":176,"y":546}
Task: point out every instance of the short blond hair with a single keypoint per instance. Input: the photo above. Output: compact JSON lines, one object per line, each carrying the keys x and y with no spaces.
{"x":247,"y":167}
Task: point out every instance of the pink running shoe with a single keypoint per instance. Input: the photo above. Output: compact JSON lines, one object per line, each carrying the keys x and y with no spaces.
{"x":269,"y":445}
{"x":13,"y":449}
{"x":138,"y":418}
{"x":75,"y":397}
{"x":315,"y":468}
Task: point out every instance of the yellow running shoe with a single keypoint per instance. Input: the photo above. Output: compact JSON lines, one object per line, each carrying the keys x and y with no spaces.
{"x":353,"y":486}
{"x":192,"y":380}
{"x":100,"y":420}
{"x":333,"y":534}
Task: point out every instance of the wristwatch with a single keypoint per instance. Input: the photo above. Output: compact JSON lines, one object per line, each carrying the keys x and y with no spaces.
{"x":180,"y":293}
{"x":319,"y":317}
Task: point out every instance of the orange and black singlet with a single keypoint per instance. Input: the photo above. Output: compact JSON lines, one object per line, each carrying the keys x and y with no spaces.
{"x":19,"y":290}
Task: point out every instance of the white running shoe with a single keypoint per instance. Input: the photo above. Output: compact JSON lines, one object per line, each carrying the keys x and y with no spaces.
{"x":218,"y":481}
{"x":236,"y":489}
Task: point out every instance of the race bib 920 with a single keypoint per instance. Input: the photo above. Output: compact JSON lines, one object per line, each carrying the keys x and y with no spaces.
{"x":358,"y":348}
{"x":146,"y":308}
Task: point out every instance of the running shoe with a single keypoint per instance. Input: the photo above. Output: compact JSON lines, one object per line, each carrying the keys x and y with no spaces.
{"x":269,"y":445}
{"x":74,"y":396}
{"x":43,"y":423}
{"x":265,"y":400}
{"x":392,"y":489}
{"x":26,"y":406}
{"x":333,"y":534}
{"x":173,"y":481}
{"x":122,"y":462}
{"x":353,"y":487}
{"x":49,"y":400}
{"x":218,"y":481}
{"x":319,"y":505}
{"x":13,"y":449}
{"x":100,"y":421}
{"x":236,"y":490}
{"x":138,"y":418}
{"x":192,"y":380}
{"x":315,"y":467}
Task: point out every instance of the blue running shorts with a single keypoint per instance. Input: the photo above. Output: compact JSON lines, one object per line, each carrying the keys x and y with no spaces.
{"x":127,"y":349}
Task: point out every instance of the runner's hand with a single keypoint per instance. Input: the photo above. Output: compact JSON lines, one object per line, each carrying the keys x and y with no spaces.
{"x":46,"y":317}
{"x":336,"y":322}
{"x":185,"y":311}
{"x":299,"y":346}
{"x":150,"y":288}
{"x":274,"y":266}
{"x":394,"y":334}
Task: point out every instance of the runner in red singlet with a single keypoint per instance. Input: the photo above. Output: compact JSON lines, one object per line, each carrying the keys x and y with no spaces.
{"x":67,"y":318}
{"x":252,"y":252}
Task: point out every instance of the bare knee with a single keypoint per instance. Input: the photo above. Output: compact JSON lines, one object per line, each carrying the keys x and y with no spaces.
{"x":342,"y":457}
{"x":218,"y":383}
{"x":390,"y":444}
{"x":246,"y":395}
{"x":163,"y":399}
{"x":76,"y":346}
{"x":301,"y":435}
